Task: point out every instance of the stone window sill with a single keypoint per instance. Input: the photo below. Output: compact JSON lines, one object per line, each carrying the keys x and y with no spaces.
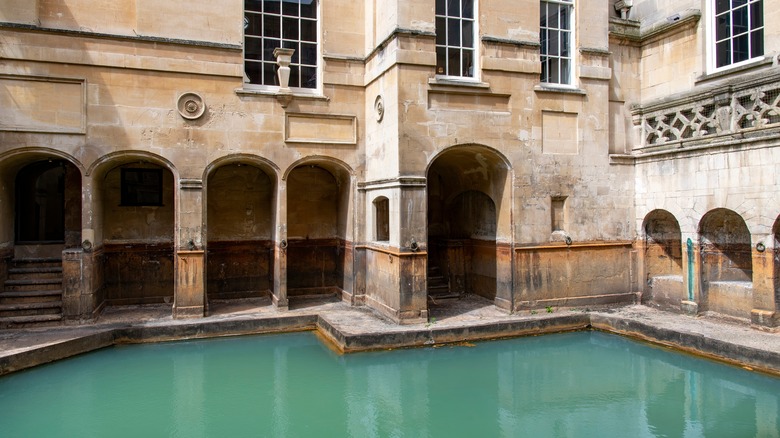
{"x":275,"y":93}
{"x":563,"y":90}
{"x":466,"y":83}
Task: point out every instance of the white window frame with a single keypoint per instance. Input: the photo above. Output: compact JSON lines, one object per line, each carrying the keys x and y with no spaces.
{"x":544,"y":51}
{"x":475,"y":74}
{"x":712,"y":55}
{"x":318,"y":67}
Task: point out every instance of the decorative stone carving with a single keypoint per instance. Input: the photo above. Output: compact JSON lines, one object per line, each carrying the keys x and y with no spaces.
{"x":379,"y":107}
{"x":283,"y":59}
{"x":624,"y":7}
{"x":191,"y":106}
{"x":721,"y":113}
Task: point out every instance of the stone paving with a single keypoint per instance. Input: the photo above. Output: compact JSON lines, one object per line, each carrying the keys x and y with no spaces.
{"x":358,"y":328}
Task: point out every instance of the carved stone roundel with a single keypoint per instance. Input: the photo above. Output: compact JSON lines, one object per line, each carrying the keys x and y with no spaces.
{"x":379,"y":106}
{"x":191,"y":106}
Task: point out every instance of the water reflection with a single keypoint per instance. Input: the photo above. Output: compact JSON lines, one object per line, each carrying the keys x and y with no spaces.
{"x":581,"y":384}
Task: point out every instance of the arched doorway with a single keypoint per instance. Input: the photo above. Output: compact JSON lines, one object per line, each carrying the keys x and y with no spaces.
{"x":319,"y":253}
{"x":726,"y":263}
{"x":664,"y":286}
{"x":47,"y":208}
{"x":240,"y":218}
{"x":465,"y":187}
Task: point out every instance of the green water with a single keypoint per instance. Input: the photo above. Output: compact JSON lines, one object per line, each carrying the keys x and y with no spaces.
{"x":585,"y":384}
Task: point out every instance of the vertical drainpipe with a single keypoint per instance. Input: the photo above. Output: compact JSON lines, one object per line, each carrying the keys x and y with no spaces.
{"x":689,"y":244}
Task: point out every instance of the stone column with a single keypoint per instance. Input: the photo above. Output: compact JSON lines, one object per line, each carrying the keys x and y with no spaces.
{"x":413,"y":256}
{"x":189,"y":291}
{"x":279,"y":293}
{"x":693,"y":304}
{"x":79,"y":285}
{"x":765,"y":260}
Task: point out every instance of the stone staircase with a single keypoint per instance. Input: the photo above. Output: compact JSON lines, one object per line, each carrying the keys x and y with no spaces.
{"x":439,"y":287}
{"x":32,"y":294}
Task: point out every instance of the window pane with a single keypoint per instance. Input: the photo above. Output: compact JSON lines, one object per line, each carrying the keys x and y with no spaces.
{"x":295,"y":76}
{"x":252,"y":70}
{"x":440,"y":7}
{"x":253,"y":49}
{"x":468,"y":34}
{"x":309,"y":30}
{"x":554,"y":74}
{"x":441,"y":29}
{"x":271,"y":6}
{"x":253,"y":5}
{"x":552,"y":47}
{"x":545,"y":77}
{"x":564,"y":21}
{"x":468,"y":63}
{"x":453,"y":8}
{"x":552,"y":16}
{"x":723,"y":53}
{"x":468,"y":8}
{"x":721,"y":6}
{"x":268,"y":49}
{"x":544,"y":40}
{"x":441,"y":61}
{"x":309,"y":9}
{"x":308,"y":54}
{"x":290,"y":28}
{"x":543,"y":18}
{"x":272,"y":28}
{"x":565,"y":42}
{"x":739,"y":21}
{"x":756,"y":15}
{"x":308,"y":77}
{"x":740,"y":49}
{"x":738,"y":3}
{"x":453,"y":32}
{"x":269,"y":74}
{"x":565,"y":71}
{"x":722,"y":27}
{"x":253,"y":24}
{"x":290,"y":8}
{"x":757,"y":43}
{"x":454,"y":61}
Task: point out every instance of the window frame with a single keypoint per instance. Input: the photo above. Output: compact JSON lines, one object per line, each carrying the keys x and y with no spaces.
{"x":127,"y":198}
{"x":317,"y":89}
{"x":711,"y":36}
{"x":475,"y":46}
{"x":572,"y":35}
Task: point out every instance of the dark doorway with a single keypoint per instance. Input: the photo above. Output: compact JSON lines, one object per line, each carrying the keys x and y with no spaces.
{"x":40,"y":203}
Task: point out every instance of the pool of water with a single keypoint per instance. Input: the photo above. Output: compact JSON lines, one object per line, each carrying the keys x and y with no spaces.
{"x":586,"y":384}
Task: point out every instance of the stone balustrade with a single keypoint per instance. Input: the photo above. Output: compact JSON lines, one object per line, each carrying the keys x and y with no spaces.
{"x":718,"y":112}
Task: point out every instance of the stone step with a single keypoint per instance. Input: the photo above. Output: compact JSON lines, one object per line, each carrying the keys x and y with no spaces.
{"x":32,"y":284}
{"x":29,"y":320}
{"x":36,"y":262}
{"x":34,"y":272}
{"x":30,"y":296}
{"x":31,"y":309}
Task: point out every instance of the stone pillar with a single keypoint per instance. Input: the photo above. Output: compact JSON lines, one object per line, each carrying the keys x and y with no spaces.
{"x":765,"y":260}
{"x":279,"y":292}
{"x":79,"y":285}
{"x":190,"y":289}
{"x":695,"y":302}
{"x":413,"y":266}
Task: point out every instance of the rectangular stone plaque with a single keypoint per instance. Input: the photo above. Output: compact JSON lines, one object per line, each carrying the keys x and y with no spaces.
{"x":43,"y":104}
{"x":559,"y":133}
{"x":320,"y":128}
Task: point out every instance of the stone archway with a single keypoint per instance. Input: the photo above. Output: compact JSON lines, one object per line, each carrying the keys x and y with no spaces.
{"x":465,"y":193}
{"x":240,"y":218}
{"x":726,"y":263}
{"x":319,"y":252}
{"x":663,"y":260}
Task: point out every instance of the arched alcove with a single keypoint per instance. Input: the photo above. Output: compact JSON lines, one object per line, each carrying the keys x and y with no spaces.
{"x":726,"y":263}
{"x":240,"y":217}
{"x":465,"y":191}
{"x":663,"y":261}
{"x":318,"y":211}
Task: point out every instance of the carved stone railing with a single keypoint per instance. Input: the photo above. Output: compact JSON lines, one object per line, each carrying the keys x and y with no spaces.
{"x":750,"y":105}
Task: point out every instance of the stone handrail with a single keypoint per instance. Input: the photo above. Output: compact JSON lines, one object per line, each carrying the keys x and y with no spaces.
{"x":718,"y":111}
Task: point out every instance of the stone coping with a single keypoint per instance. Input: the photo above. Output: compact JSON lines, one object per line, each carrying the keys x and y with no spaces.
{"x":352,"y":329}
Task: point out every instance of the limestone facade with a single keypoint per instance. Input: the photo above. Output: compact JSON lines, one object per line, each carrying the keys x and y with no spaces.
{"x":137,"y":146}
